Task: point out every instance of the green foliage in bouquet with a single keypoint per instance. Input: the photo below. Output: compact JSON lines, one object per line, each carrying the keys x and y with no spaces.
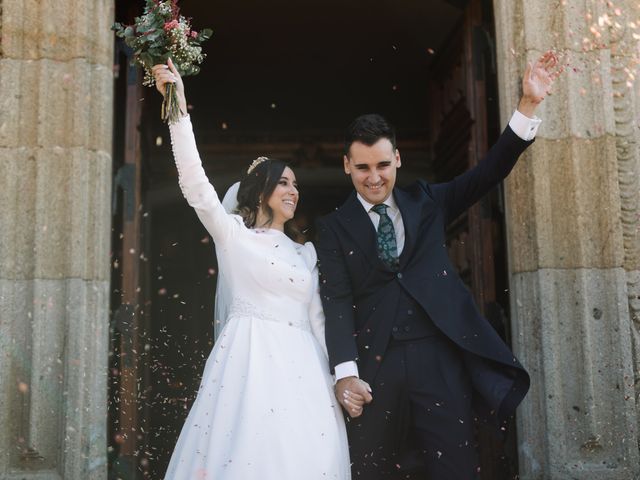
{"x":159,"y":34}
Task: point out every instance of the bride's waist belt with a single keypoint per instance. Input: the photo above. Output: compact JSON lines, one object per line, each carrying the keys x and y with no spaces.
{"x":294,"y":317}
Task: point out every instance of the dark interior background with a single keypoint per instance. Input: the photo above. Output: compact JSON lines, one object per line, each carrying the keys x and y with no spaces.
{"x":281,"y":79}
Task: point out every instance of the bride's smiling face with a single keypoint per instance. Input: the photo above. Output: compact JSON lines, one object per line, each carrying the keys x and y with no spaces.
{"x":284,"y":199}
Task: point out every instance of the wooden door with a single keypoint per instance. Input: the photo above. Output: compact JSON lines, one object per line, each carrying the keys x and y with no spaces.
{"x":464,"y":123}
{"x":126,"y":312}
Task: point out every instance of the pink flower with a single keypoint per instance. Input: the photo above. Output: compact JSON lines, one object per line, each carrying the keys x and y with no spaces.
{"x":193,"y":34}
{"x":171,"y":25}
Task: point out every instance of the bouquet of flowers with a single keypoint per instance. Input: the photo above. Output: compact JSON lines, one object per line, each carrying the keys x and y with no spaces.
{"x":159,"y":34}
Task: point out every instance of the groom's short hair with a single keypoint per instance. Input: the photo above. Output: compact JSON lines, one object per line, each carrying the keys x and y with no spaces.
{"x":368,"y":129}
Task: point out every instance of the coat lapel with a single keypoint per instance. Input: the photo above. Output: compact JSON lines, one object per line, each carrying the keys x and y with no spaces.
{"x":410,"y":211}
{"x":356,"y":222}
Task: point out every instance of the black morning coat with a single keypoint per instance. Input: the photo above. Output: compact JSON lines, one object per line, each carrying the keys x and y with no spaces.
{"x":359,"y":292}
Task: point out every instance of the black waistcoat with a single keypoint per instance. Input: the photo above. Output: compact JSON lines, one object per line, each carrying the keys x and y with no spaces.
{"x":411,"y":321}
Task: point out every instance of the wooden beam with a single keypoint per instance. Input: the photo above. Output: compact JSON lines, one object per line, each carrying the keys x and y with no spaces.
{"x":128,"y":320}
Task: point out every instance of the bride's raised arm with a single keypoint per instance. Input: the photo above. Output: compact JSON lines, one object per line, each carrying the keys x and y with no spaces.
{"x":192,"y":178}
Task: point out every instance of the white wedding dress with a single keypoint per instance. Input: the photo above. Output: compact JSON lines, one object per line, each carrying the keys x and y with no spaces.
{"x":265,"y":409}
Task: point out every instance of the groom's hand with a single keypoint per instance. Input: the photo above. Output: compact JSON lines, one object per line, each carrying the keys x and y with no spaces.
{"x":353,"y":393}
{"x":538,"y":81}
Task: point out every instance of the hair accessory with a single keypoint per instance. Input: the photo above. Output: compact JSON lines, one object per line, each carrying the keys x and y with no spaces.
{"x":255,"y":163}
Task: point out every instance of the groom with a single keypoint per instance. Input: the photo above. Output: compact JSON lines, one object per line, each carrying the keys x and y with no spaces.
{"x":413,"y":358}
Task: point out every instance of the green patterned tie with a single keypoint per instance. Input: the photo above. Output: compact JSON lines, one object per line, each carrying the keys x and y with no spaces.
{"x":387,"y":248}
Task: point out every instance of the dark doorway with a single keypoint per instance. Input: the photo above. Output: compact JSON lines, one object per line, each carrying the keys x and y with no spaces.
{"x":283,"y":79}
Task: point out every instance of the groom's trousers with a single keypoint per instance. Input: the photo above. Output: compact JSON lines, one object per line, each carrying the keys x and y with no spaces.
{"x":422,"y":398}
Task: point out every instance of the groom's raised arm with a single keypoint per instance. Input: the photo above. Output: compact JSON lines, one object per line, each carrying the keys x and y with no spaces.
{"x":459,"y":194}
{"x":462,"y":192}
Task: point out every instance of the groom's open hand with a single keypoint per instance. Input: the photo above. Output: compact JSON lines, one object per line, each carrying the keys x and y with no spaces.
{"x":353,"y":393}
{"x":538,"y":81}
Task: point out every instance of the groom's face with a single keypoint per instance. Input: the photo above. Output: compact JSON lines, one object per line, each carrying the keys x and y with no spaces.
{"x":373,"y":169}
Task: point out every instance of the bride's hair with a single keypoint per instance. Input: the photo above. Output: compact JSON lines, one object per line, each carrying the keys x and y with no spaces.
{"x":256,"y":188}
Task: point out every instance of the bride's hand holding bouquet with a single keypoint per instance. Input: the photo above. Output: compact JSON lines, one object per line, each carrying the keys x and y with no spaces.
{"x":167,"y":76}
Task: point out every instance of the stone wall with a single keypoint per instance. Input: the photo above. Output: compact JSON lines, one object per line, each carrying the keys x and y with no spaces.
{"x":572,"y":221}
{"x":56,"y":99}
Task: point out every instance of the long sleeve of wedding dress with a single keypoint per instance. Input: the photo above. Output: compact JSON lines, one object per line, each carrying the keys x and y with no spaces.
{"x":316,"y":313}
{"x":195,"y":185}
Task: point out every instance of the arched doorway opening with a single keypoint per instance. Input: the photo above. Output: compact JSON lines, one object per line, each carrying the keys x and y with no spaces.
{"x":284,"y":81}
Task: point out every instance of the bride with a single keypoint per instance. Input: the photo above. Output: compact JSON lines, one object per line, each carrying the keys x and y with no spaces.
{"x":266,"y":407}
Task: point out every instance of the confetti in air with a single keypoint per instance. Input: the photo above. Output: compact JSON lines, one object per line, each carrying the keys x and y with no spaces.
{"x":608,"y":38}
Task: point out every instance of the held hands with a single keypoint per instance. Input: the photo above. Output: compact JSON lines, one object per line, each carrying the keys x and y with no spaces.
{"x":169,"y":74}
{"x":537,"y":82}
{"x":353,"y":393}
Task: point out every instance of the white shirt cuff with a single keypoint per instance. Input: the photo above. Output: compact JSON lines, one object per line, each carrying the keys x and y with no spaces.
{"x":523,"y":126}
{"x":346,"y":369}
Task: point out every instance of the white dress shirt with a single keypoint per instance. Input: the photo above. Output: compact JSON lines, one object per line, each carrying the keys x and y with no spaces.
{"x":394,"y":214}
{"x":523,"y":126}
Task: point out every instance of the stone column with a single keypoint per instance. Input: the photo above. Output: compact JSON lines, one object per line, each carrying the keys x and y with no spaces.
{"x":572,"y":221}
{"x":56,"y":96}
